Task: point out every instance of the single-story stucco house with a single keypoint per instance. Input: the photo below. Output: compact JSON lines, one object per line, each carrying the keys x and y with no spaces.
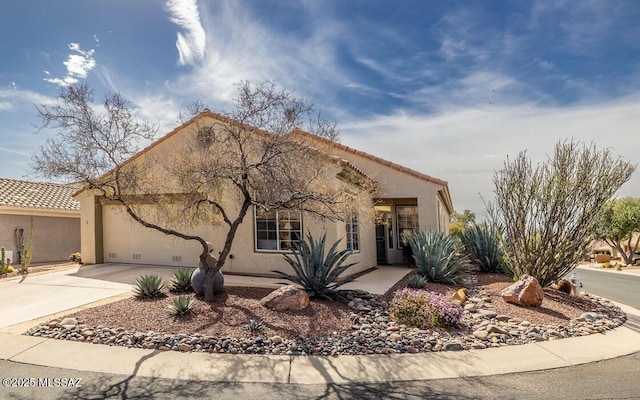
{"x":56,"y":219}
{"x":403,"y":200}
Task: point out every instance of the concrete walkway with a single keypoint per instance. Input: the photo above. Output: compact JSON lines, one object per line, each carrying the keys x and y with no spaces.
{"x":301,"y":369}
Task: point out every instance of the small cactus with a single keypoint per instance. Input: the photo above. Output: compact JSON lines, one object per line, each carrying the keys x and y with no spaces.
{"x":148,"y":286}
{"x":417,"y":281}
{"x":181,"y":305}
{"x":4,"y":262}
{"x":254,"y":325}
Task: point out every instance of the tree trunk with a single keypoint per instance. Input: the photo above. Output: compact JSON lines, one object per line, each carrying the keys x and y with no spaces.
{"x":212,"y":266}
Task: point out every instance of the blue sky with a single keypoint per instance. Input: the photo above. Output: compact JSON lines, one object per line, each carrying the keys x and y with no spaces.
{"x":449,"y":88}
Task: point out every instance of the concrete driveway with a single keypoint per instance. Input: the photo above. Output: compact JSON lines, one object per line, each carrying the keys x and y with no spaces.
{"x":30,"y":297}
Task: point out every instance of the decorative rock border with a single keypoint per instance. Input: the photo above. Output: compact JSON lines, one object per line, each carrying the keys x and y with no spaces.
{"x":372,"y":332}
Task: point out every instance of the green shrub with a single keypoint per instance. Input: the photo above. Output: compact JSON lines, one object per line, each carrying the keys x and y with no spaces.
{"x":417,"y":281}
{"x":437,"y":258}
{"x":148,"y":286}
{"x":317,"y":274}
{"x":424,"y":309}
{"x":481,"y":243}
{"x":181,"y":280}
{"x":181,"y":305}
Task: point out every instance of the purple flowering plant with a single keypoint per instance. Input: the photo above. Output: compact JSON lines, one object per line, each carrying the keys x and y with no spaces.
{"x":425,"y":309}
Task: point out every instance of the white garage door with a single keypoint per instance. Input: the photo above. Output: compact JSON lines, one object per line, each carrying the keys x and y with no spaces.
{"x":126,"y":241}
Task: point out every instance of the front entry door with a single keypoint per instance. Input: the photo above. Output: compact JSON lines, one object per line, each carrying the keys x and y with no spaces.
{"x":384,"y":238}
{"x":381,"y":243}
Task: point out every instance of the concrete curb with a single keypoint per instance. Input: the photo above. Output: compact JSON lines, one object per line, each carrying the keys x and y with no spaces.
{"x":313,"y":369}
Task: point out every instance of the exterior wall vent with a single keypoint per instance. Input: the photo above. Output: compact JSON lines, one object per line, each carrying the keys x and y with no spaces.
{"x":112,"y":255}
{"x":137,"y":256}
{"x":176,"y":258}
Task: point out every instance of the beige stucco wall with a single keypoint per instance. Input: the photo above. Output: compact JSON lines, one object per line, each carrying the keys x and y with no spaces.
{"x":394,"y":184}
{"x":55,"y":237}
{"x":127,"y":241}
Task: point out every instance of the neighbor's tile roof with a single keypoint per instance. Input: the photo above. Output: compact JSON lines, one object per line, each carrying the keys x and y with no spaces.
{"x":45,"y":196}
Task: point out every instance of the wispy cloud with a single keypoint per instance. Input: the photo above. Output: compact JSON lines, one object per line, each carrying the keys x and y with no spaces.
{"x":14,"y":96}
{"x":466,"y":146}
{"x":14,"y":152}
{"x":78,"y":65}
{"x":192,"y":43}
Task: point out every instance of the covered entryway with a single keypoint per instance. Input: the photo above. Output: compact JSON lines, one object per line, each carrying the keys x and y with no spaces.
{"x":394,"y":218}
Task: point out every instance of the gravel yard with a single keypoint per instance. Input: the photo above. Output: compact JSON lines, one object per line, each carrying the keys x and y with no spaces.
{"x":332,"y":328}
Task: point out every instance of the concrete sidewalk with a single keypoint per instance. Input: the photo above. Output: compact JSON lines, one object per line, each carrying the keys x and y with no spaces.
{"x":314,"y":369}
{"x":297,"y":369}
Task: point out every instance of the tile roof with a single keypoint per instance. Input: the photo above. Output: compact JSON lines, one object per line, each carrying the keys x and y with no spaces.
{"x":36,"y":195}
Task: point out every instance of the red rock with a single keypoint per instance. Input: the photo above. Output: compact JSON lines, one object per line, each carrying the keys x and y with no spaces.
{"x":286,"y":298}
{"x":526,"y":292}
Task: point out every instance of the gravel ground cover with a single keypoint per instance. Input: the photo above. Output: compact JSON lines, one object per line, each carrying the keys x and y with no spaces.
{"x":363,"y":326}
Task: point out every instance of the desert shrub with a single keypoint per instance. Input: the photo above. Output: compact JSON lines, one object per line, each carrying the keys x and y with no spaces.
{"x":148,"y":286}
{"x":550,"y":211}
{"x":317,"y":274}
{"x":181,"y":305}
{"x":482,"y":244}
{"x":607,"y":265}
{"x":437,"y":257}
{"x":424,"y":309}
{"x":76,"y":257}
{"x":417,"y":281}
{"x":181,"y":280}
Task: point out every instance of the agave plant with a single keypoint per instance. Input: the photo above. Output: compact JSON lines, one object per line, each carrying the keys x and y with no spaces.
{"x":317,"y":274}
{"x":254,"y":325}
{"x":437,"y":258}
{"x":148,"y":286}
{"x":181,"y":280}
{"x":417,"y":281}
{"x":181,"y":305}
{"x":482,"y":244}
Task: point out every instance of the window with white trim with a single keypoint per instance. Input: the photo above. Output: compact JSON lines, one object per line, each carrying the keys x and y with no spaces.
{"x":353,"y":231}
{"x":278,"y":230}
{"x":406,"y":221}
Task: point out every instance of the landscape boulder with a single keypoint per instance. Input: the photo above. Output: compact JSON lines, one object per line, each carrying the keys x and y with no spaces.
{"x":526,"y":292}
{"x":460,"y":296}
{"x":286,"y":298}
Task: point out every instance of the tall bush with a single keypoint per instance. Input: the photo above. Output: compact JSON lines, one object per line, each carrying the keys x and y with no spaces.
{"x":549,"y":212}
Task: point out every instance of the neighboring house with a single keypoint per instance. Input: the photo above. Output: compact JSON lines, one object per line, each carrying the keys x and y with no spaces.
{"x":404,"y":200}
{"x":56,"y":219}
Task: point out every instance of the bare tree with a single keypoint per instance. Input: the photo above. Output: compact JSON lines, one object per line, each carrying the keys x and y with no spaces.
{"x":254,"y":156}
{"x":549,"y":213}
